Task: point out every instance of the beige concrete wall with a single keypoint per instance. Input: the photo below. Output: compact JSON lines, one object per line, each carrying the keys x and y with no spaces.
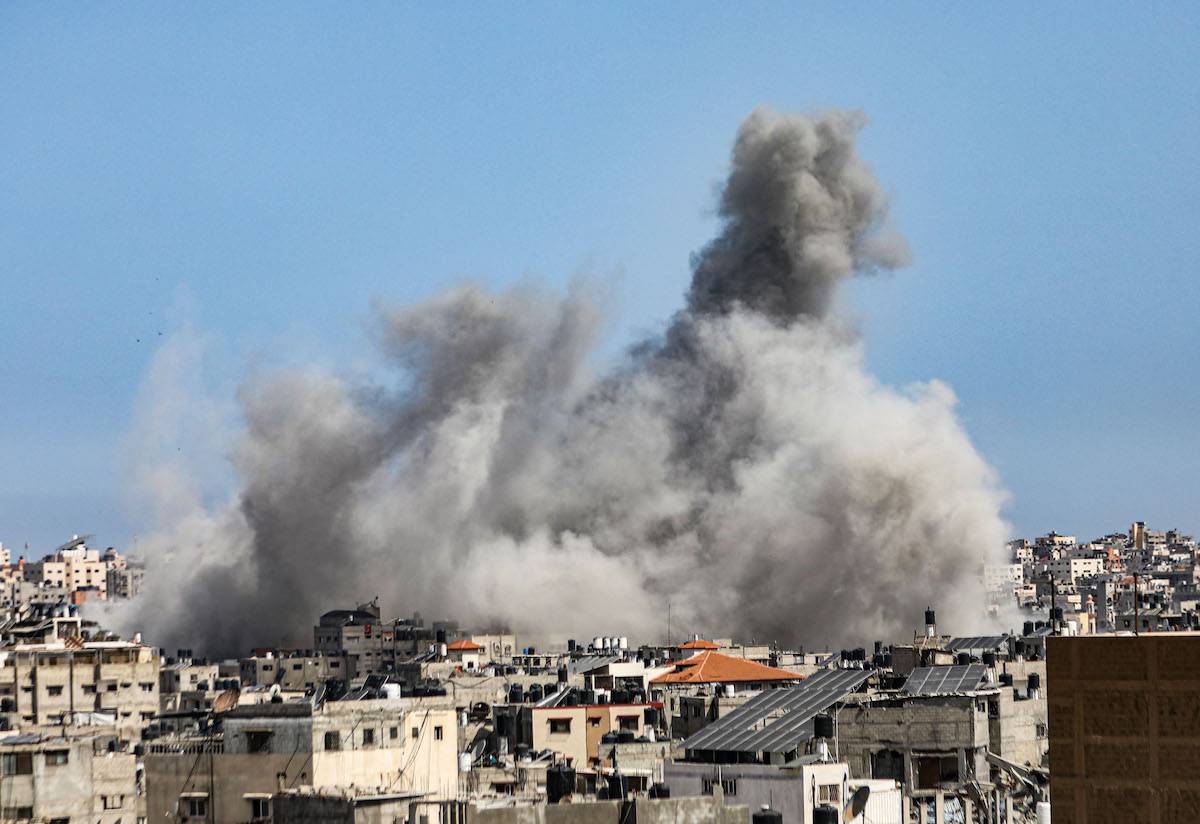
{"x":1124,"y":715}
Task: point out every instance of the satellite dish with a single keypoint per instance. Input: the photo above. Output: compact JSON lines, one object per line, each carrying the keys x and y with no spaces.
{"x":856,"y":804}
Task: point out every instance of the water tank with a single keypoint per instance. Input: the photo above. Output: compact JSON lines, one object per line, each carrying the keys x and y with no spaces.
{"x":440,"y":636}
{"x":825,"y":815}
{"x":626,"y":737}
{"x":606,"y":643}
{"x":1043,"y":812}
{"x":1056,"y":614}
{"x":535,"y":693}
{"x":570,"y":645}
{"x":442,"y":650}
{"x":1034,"y":685}
{"x":1027,"y":629}
{"x":930,"y":617}
{"x":597,"y":643}
{"x":1006,"y":679}
{"x":1019,"y":648}
{"x":390,"y":690}
{"x":504,"y":725}
{"x":766,"y":816}
{"x":618,"y":786}
{"x":560,"y":783}
{"x":562,"y":675}
{"x":823,"y":726}
{"x":516,"y":695}
{"x":989,"y":659}
{"x":623,"y":642}
{"x":651,"y":716}
{"x":464,"y":762}
{"x":962,"y":659}
{"x":879,"y":648}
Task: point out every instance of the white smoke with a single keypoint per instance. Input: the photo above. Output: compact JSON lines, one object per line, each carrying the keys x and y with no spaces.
{"x":746,"y":467}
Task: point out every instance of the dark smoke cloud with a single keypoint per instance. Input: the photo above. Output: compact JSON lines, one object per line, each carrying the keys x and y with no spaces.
{"x":745,"y":467}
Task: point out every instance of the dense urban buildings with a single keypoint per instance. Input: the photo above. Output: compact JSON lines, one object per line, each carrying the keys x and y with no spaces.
{"x":1085,"y":710}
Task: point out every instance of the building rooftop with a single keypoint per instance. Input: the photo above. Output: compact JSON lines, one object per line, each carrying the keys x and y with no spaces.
{"x":710,"y":667}
{"x":463,"y":645}
{"x":699,"y":643}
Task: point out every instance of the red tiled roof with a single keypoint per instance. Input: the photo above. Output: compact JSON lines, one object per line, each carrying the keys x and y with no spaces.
{"x":699,"y":643}
{"x":463,"y":646}
{"x":710,"y":667}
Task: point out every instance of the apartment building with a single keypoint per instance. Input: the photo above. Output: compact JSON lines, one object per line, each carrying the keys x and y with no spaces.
{"x":393,"y":745}
{"x":83,"y":776}
{"x":53,"y":682}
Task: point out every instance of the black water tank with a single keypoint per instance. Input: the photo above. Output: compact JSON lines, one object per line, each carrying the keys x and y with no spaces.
{"x":1028,"y":628}
{"x":823,"y":726}
{"x":626,"y":737}
{"x":989,"y":659}
{"x":516,"y":695}
{"x":610,"y":737}
{"x":963,"y":658}
{"x":535,"y":693}
{"x":570,"y":645}
{"x":572,"y":699}
{"x":879,"y":648}
{"x":1006,"y":679}
{"x":651,"y":714}
{"x":887,"y":660}
{"x":620,"y":697}
{"x":1039,"y":624}
{"x":562,"y":675}
{"x":560,"y":782}
{"x":1035,"y":681}
{"x":825,"y":815}
{"x":930,"y":618}
{"x":618,"y":786}
{"x":1056,"y":614}
{"x":859,"y":654}
{"x":1019,"y":648}
{"x":440,"y":636}
{"x":504,"y":725}
{"x":766,"y":816}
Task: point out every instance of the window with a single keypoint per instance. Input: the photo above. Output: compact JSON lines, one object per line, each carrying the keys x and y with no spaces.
{"x":594,"y":722}
{"x":112,"y":802}
{"x":830,"y":794}
{"x":368,"y":738}
{"x":695,"y":711}
{"x":55,"y":690}
{"x":146,"y":686}
{"x":194,"y":807}
{"x":111,"y":687}
{"x":89,"y":689}
{"x":16,"y":812}
{"x":437,"y":733}
{"x":258,"y":741}
{"x":560,"y":725}
{"x":260,"y":809}
{"x":16,"y":763}
{"x":297,"y":666}
{"x":394,"y":733}
{"x":415,"y":732}
{"x":628,"y":722}
{"x":56,"y":758}
{"x":333,"y":741}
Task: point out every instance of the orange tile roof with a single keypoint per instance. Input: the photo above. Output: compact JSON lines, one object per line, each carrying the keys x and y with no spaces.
{"x":463,"y":646}
{"x":710,"y":667}
{"x":699,"y":643}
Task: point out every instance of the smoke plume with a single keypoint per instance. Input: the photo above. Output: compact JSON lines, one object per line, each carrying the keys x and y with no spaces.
{"x":744,"y":467}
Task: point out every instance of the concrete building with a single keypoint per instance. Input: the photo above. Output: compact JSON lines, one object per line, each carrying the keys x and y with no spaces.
{"x":387,"y":744}
{"x":576,"y":732}
{"x":793,"y":791}
{"x":81,"y":777}
{"x":1124,"y":717}
{"x":50,"y":683}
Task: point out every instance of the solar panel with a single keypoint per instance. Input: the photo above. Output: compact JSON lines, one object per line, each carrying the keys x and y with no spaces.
{"x":977,"y":643}
{"x":939,"y":680}
{"x":778,"y":720}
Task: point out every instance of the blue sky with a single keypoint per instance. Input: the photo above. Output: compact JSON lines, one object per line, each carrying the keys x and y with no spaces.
{"x":264,"y":172}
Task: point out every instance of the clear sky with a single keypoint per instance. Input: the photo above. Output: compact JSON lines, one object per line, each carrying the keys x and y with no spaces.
{"x":264,"y":172}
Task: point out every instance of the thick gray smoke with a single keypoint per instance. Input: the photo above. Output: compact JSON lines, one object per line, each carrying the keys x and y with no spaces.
{"x":745,"y":467}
